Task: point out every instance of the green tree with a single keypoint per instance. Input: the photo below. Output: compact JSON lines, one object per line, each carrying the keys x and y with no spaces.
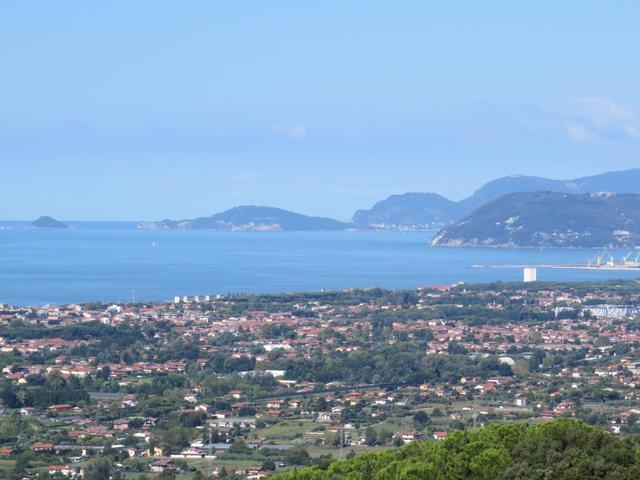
{"x":298,"y":456}
{"x":421,"y":418}
{"x":98,"y":469}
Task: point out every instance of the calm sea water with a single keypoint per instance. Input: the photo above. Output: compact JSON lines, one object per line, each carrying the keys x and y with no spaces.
{"x":109,"y":261}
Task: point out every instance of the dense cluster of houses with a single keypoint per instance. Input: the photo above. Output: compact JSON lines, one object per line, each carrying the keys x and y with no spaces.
{"x":538,"y":385}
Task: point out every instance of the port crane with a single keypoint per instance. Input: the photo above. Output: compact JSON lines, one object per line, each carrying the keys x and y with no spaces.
{"x":633,"y":263}
{"x":605,"y":259}
{"x":602,"y":261}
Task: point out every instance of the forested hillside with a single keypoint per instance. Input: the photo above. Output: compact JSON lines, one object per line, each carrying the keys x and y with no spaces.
{"x":559,"y":450}
{"x":549,"y":219}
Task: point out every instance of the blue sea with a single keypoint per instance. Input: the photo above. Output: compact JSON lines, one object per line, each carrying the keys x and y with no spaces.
{"x":114,"y":262}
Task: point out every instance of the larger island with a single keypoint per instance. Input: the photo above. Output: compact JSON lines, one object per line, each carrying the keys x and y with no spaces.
{"x":250,"y":218}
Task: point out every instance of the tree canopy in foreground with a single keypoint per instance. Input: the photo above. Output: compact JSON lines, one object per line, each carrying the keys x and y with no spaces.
{"x":560,"y":450}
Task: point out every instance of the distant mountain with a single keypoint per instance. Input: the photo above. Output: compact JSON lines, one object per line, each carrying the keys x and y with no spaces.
{"x":251,"y":218}
{"x":409,"y":211}
{"x":549,"y":219}
{"x":414,"y":211}
{"x":627,"y":181}
{"x":48,"y":222}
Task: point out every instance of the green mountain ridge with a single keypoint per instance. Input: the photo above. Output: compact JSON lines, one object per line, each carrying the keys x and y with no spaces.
{"x":412,"y":211}
{"x":626,"y":181}
{"x":549,"y":219}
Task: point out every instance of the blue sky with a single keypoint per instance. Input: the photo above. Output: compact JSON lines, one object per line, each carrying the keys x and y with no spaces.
{"x":154,"y":109}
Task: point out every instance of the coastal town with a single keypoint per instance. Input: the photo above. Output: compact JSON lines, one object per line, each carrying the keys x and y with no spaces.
{"x":244,"y":386}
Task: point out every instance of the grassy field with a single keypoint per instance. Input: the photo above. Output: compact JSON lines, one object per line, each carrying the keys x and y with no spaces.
{"x":201,"y":464}
{"x":287,"y":430}
{"x":6,"y":466}
{"x":135,"y":476}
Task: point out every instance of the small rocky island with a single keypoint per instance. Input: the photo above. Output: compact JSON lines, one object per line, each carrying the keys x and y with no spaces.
{"x":46,"y":222}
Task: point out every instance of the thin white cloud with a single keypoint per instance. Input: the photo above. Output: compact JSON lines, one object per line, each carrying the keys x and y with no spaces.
{"x":632,"y":131}
{"x":602,"y":112}
{"x":578,"y":132}
{"x":592,"y":118}
{"x":351,"y":132}
{"x":297,"y":131}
